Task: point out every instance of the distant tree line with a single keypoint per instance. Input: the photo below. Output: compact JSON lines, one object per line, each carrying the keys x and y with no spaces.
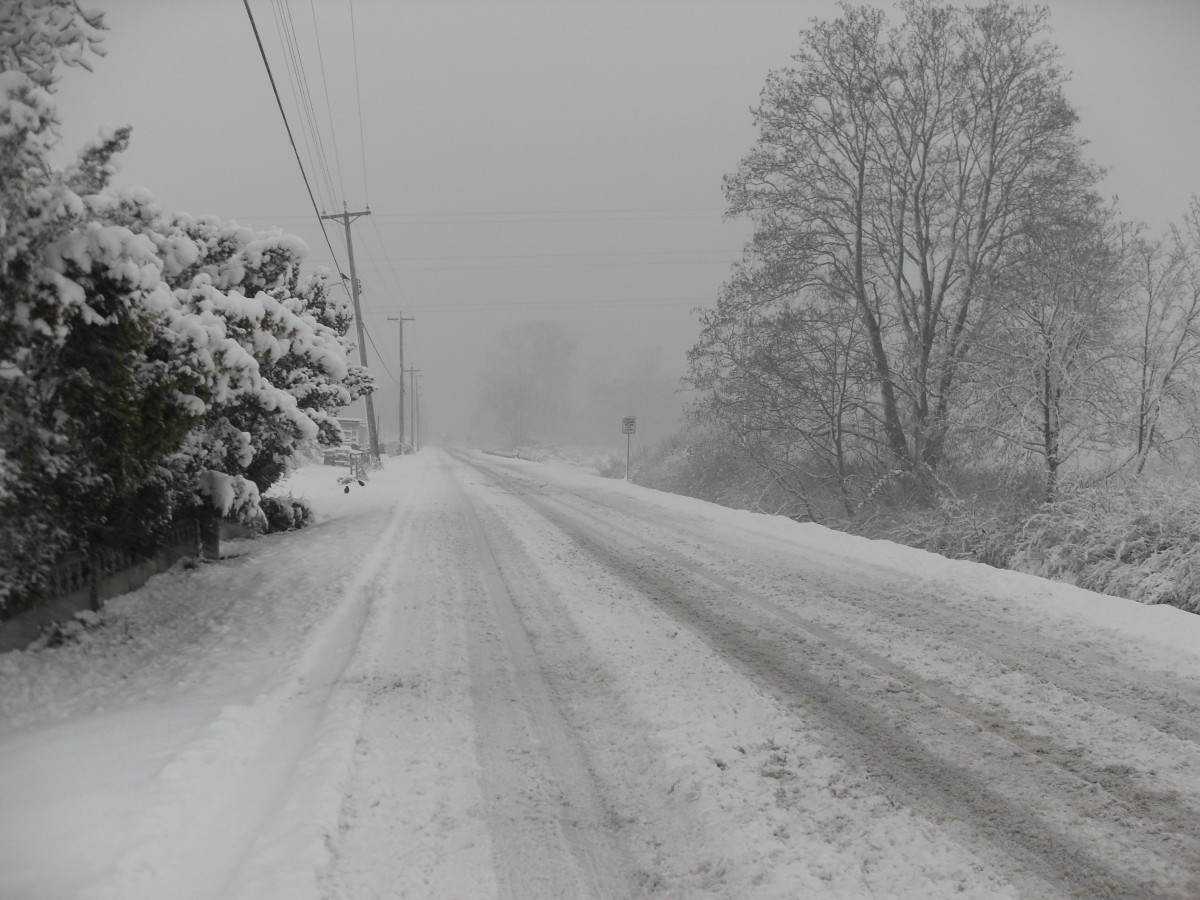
{"x":935,"y":286}
{"x":152,"y":365}
{"x":536,"y":386}
{"x":526,"y":385}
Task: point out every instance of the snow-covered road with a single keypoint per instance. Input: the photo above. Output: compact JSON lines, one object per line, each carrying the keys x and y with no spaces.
{"x":481,"y":677}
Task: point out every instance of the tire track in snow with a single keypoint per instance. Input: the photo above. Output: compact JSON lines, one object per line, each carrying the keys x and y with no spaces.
{"x":1153,"y":809}
{"x":1163,"y":701}
{"x":1160,"y":700}
{"x":234,"y":818}
{"x":867,"y":713}
{"x":1156,"y":712}
{"x":553,"y":836}
{"x":784,"y":664}
{"x":1165,"y":708}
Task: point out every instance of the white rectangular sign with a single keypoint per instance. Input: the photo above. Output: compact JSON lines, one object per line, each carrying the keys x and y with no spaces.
{"x":629,"y":425}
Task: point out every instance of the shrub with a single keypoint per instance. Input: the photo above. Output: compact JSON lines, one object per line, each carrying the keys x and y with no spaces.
{"x":286,"y":513}
{"x":1141,"y":542}
{"x":961,"y":529}
{"x":611,"y":467}
{"x":697,"y":465}
{"x":974,"y":514}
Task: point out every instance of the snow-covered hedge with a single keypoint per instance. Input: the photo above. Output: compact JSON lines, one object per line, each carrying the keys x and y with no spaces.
{"x":151,"y":364}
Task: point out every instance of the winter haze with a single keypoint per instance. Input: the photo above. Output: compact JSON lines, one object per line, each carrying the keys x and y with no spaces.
{"x":914,"y":611}
{"x":556,"y":162}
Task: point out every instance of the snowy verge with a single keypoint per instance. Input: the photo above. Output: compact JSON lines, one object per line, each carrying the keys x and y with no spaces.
{"x":201,"y":707}
{"x":1143,"y":628}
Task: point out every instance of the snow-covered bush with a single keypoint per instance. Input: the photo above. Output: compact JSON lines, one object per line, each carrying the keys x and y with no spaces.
{"x":958,"y":528}
{"x":1139,"y":542}
{"x":286,"y":513}
{"x":150,"y":364}
{"x":50,"y":435}
{"x":610,"y":467}
{"x":697,"y":463}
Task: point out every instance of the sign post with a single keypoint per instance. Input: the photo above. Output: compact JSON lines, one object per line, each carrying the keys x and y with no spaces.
{"x":629,"y":426}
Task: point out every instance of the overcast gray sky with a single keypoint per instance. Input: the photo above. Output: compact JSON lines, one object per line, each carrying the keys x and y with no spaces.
{"x":543,"y":160}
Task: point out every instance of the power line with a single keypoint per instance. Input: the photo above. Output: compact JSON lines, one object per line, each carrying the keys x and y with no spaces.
{"x":378,"y":355}
{"x":312,"y":109}
{"x":580,"y":215}
{"x":337,"y":158}
{"x":506,"y":305}
{"x":362,"y":144}
{"x":558,"y":212}
{"x":289,"y":64}
{"x":581,"y":265}
{"x":302,"y":91}
{"x":588,"y":253}
{"x":396,"y":287}
{"x":291,"y":138}
{"x":555,"y":221}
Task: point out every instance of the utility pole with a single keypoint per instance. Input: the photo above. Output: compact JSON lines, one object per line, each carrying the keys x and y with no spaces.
{"x":412,"y":374}
{"x":346,"y":217}
{"x":417,"y":423}
{"x":400,"y":320}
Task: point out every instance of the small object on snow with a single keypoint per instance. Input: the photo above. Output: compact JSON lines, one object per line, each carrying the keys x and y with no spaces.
{"x":360,"y":484}
{"x":346,"y":490}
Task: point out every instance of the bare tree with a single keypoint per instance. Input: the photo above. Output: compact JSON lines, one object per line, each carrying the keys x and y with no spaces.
{"x":892,"y":171}
{"x":1165,"y":331}
{"x":1053,"y":368}
{"x":790,"y":384}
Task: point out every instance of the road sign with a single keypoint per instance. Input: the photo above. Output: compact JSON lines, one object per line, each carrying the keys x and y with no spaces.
{"x":628,"y":426}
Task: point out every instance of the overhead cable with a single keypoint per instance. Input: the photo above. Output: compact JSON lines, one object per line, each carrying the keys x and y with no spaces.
{"x":337,"y":158}
{"x":391,"y":269}
{"x":362,"y":144}
{"x":577,"y":215}
{"x":557,"y":304}
{"x":303,"y":93}
{"x":378,"y":355}
{"x":289,"y":65}
{"x":575,"y":265}
{"x":291,"y":137}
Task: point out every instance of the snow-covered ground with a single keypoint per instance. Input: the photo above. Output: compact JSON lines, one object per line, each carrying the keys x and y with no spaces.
{"x":482,"y":677}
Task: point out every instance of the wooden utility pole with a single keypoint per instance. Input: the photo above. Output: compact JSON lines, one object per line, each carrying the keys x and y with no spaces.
{"x":417,"y":423}
{"x":412,"y":406}
{"x":400,"y":320}
{"x":346,"y":218}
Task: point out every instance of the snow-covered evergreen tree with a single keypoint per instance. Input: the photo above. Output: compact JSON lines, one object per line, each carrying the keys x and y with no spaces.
{"x":292,"y":326}
{"x":150,"y":364}
{"x":38,"y":312}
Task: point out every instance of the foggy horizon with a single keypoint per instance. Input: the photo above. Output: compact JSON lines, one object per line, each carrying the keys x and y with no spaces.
{"x":539,"y":162}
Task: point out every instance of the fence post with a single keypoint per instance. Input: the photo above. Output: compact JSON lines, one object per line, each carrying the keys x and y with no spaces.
{"x":93,"y":564}
{"x":192,"y":530}
{"x":210,"y":534}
